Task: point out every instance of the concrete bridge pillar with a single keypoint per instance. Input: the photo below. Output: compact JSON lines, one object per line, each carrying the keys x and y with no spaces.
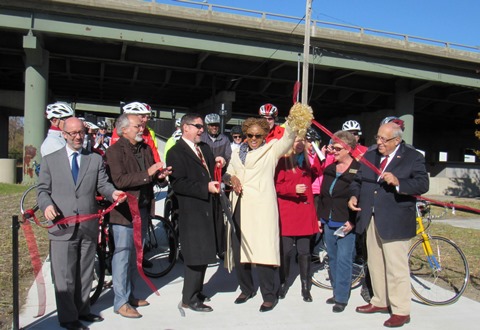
{"x":36,"y":86}
{"x":404,"y":108}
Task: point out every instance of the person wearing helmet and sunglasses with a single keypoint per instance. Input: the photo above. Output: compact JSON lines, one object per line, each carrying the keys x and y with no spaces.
{"x":237,"y":137}
{"x":143,"y":111}
{"x":57,"y":113}
{"x":270,"y":113}
{"x":220,"y":146}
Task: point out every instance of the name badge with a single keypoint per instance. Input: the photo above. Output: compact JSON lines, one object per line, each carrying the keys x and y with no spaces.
{"x":353,"y":171}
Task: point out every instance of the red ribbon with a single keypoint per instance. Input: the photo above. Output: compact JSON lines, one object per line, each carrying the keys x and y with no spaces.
{"x":35,"y":256}
{"x":356,"y":154}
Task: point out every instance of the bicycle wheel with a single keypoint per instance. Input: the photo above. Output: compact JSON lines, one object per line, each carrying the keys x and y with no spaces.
{"x":441,"y":278}
{"x":29,"y":207}
{"x":98,"y":274}
{"x":161,"y":247}
{"x":321,"y":269}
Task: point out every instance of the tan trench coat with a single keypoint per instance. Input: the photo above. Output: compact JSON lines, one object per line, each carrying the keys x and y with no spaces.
{"x":260,"y":240}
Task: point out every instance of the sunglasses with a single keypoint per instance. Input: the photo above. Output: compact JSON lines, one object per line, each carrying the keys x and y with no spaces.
{"x":257,"y":136}
{"x":338,"y":149}
{"x":198,"y":126}
{"x":237,"y":136}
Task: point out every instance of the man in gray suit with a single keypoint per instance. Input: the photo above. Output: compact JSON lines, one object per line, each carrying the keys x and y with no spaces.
{"x":68,"y":181}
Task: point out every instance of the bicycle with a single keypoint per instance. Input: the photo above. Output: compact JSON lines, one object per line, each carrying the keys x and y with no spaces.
{"x":439,"y":270}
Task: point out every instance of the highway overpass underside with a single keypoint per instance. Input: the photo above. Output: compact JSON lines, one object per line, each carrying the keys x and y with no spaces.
{"x":105,"y":52}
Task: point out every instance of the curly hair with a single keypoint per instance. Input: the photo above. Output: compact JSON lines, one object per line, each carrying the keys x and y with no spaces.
{"x":261,"y":122}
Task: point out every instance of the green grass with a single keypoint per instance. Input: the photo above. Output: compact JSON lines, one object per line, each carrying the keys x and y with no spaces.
{"x":7,"y":189}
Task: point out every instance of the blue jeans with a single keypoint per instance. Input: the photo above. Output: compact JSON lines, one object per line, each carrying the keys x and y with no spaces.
{"x":340,"y":255}
{"x":123,"y":265}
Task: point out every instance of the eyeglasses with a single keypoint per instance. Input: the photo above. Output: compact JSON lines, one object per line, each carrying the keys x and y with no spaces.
{"x":74,"y":134}
{"x":198,"y":126}
{"x":257,"y":136}
{"x":236,"y":136}
{"x":338,"y":149}
{"x":382,"y":139}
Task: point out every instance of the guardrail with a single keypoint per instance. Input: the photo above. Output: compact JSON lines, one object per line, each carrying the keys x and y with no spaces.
{"x":323,"y":24}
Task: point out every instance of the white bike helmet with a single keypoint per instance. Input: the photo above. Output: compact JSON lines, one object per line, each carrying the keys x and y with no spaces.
{"x":352,"y":125}
{"x":137,"y":108}
{"x":177,"y":135}
{"x":178,"y":122}
{"x":102,"y":124}
{"x":91,"y":125}
{"x":58,"y":110}
{"x":212,"y":118}
{"x":268,"y":109}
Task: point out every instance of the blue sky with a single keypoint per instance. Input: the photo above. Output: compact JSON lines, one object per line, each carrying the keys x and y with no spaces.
{"x":455,"y":21}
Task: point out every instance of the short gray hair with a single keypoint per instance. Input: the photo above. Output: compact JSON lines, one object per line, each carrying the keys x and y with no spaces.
{"x":121,"y":123}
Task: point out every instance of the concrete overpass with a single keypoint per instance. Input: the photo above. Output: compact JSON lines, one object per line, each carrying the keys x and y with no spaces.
{"x":193,"y":58}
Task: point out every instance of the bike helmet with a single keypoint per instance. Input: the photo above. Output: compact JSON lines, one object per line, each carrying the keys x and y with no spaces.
{"x":395,"y":120}
{"x":312,"y":135}
{"x":137,"y":108}
{"x":90,"y":125}
{"x":177,"y":135}
{"x":236,"y":130}
{"x":58,"y":110}
{"x":212,"y":118}
{"x":178,"y":122}
{"x":352,"y":125}
{"x":268,"y":109}
{"x":102,"y":124}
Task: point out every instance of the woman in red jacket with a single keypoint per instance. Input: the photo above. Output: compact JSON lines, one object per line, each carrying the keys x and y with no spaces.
{"x":298,"y":218}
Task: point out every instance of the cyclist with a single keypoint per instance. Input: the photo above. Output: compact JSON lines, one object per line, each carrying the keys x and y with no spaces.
{"x":102,"y":140}
{"x":220,"y":146}
{"x":270,"y":113}
{"x":57,"y":113}
{"x":354,"y":127}
{"x":143,"y":111}
{"x":237,"y":136}
{"x":174,"y":138}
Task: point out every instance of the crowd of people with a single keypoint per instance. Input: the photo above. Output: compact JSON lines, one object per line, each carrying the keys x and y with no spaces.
{"x":285,"y":188}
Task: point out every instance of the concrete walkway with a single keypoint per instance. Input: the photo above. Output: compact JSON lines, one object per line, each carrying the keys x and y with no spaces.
{"x":290,"y":313}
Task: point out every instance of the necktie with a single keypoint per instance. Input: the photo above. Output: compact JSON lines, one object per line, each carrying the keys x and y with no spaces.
{"x":200,"y":155}
{"x":75,"y":167}
{"x":383,"y":163}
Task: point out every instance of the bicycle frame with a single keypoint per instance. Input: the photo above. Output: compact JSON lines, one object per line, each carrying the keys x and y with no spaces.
{"x":421,"y":230}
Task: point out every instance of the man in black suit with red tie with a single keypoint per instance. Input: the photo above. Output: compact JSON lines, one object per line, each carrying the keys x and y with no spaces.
{"x":386,"y":210}
{"x":193,"y":166}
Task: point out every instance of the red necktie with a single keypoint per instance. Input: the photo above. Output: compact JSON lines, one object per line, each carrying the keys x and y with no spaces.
{"x":200,"y":155}
{"x":383,"y":163}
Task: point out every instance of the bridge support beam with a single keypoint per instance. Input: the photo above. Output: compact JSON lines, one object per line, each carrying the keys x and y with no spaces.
{"x":404,"y":108}
{"x":36,"y":86}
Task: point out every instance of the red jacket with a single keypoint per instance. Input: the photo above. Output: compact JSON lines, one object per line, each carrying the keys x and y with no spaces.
{"x":298,"y":216}
{"x":275,"y":133}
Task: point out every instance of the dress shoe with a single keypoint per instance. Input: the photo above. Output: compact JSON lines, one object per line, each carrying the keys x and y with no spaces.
{"x":330,"y":301}
{"x":129,"y":312}
{"x":396,"y":321}
{"x":282,"y":292}
{"x":338,"y":307}
{"x":138,"y":302}
{"x":198,"y":307}
{"x":370,"y":309}
{"x":267,"y":306}
{"x":91,"y":318}
{"x":75,"y":325}
{"x":203,"y":297}
{"x":242,"y":298}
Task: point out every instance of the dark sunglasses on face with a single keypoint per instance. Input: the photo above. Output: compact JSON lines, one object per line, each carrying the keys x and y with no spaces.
{"x":257,"y":136}
{"x":237,"y":136}
{"x":198,"y":126}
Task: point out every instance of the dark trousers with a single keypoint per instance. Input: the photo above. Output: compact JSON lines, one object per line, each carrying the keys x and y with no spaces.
{"x":193,"y":283}
{"x":266,"y":273}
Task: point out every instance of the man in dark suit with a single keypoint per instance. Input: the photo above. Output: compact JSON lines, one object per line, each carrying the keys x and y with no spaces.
{"x":67,"y":185}
{"x":386,"y":210}
{"x":193,"y":168}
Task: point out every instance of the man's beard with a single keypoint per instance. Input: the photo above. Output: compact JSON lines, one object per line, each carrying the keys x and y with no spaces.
{"x":139,"y":137}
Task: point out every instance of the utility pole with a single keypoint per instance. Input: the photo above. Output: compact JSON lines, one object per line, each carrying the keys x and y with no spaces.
{"x":306,"y":52}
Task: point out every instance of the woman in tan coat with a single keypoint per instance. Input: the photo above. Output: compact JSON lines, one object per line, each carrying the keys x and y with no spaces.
{"x":251,"y":174}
